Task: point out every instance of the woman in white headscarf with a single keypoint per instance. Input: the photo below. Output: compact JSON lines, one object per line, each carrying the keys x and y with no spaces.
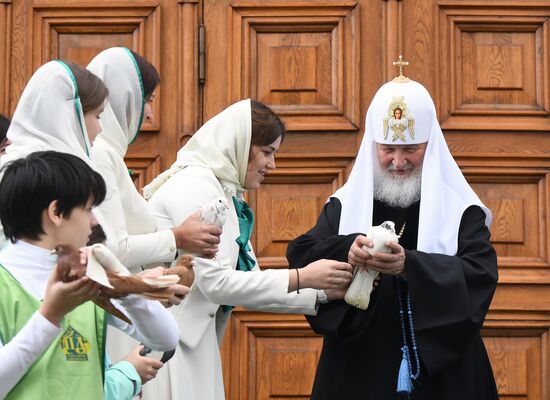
{"x":132,"y":230}
{"x":50,"y":114}
{"x":54,"y":112}
{"x":229,"y":155}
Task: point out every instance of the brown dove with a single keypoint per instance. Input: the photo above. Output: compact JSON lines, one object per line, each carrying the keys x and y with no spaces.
{"x":70,"y":268}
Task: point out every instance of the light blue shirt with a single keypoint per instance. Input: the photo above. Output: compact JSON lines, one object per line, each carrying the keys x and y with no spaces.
{"x":122,"y":381}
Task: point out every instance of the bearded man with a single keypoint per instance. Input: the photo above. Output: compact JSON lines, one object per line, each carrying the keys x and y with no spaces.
{"x":420,"y":337}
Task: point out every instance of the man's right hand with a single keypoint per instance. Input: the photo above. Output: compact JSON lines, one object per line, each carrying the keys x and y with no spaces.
{"x":356,"y":255}
{"x":196,"y":237}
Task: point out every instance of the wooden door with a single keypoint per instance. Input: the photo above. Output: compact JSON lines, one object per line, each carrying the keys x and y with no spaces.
{"x":318,"y":64}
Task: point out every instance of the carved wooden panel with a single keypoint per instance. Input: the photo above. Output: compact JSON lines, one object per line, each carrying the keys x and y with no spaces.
{"x":300,"y":59}
{"x":519,"y":201}
{"x":493,"y":66}
{"x":288,"y":204}
{"x":517,"y":363}
{"x":271,"y":356}
{"x":143,"y":169}
{"x":519,"y":355}
{"x":283,"y":366}
{"x":78,"y":34}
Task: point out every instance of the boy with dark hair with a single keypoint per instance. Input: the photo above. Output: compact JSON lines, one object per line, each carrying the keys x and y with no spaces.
{"x":55,"y":348}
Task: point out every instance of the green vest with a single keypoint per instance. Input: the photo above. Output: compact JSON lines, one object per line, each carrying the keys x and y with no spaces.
{"x":72,"y":367}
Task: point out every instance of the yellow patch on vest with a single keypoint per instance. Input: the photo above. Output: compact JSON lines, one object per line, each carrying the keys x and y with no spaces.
{"x":74,"y":345}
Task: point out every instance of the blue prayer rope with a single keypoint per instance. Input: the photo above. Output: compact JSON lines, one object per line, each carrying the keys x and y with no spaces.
{"x":405,"y":347}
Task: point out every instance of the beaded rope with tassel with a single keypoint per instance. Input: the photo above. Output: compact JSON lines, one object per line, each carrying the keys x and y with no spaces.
{"x":406,"y":375}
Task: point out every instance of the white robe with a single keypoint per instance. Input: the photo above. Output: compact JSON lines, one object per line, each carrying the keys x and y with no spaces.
{"x":128,"y":222}
{"x":131,"y":226}
{"x":195,"y":372}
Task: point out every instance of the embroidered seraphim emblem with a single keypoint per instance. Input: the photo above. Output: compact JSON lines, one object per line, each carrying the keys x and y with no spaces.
{"x":74,"y":345}
{"x":398,"y":120}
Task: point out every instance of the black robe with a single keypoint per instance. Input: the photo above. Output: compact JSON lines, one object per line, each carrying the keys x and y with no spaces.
{"x":450,"y":296}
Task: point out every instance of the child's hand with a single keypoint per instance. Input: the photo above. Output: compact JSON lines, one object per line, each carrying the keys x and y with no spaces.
{"x":61,"y":298}
{"x":146,"y":367}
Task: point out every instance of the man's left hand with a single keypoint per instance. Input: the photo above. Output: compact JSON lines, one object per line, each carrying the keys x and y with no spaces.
{"x":389,"y":263}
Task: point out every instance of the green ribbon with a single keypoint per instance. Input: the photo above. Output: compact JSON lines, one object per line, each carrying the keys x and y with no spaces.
{"x":245,"y":216}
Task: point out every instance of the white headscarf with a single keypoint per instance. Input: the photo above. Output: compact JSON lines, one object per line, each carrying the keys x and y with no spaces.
{"x":48,"y":116}
{"x":123,"y":114}
{"x":222,"y":144}
{"x":445,"y":194}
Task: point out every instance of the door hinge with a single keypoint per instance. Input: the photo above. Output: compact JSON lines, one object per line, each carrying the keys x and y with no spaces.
{"x":202,"y":54}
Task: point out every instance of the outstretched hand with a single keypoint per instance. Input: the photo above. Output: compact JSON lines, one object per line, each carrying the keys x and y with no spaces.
{"x":177,"y":292}
{"x":326,"y":274}
{"x":340,"y":292}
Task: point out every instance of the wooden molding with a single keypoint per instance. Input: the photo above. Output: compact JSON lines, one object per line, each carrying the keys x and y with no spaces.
{"x":493,"y":66}
{"x":265,"y":350}
{"x":304,"y":64}
{"x":520,"y":202}
{"x":188,"y":88}
{"x":143,"y":169}
{"x":392,"y":37}
{"x":5,"y":48}
{"x":519,"y":358}
{"x":289,"y":202}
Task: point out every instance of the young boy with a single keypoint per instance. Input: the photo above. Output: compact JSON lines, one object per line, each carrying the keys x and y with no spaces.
{"x":55,"y":348}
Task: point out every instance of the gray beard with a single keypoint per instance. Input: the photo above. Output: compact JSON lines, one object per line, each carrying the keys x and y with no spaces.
{"x":396,"y":191}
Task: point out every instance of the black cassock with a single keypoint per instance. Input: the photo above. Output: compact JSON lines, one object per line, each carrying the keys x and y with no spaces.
{"x":450,"y":296}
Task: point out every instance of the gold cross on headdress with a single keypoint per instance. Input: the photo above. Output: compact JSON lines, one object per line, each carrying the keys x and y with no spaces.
{"x":401,"y":64}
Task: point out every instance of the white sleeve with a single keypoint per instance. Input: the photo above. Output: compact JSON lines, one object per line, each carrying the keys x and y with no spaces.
{"x":185,"y":193}
{"x":132,"y":250}
{"x":265,"y":290}
{"x":216,"y":278}
{"x":304,"y":302}
{"x":21,"y":352}
{"x":153,"y":325}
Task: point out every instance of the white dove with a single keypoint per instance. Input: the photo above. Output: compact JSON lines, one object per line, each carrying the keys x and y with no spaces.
{"x":359,"y":292}
{"x":215,"y":212}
